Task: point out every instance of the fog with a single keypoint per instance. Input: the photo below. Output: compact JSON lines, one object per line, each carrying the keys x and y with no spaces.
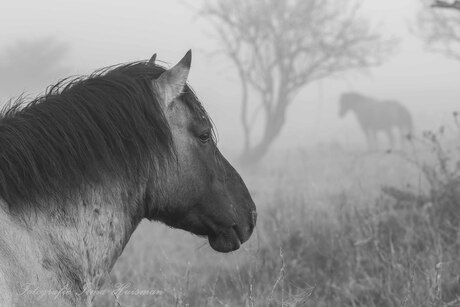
{"x":103,"y":33}
{"x":337,"y":224}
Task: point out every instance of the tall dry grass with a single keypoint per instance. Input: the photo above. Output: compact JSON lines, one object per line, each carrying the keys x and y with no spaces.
{"x":334,"y":229}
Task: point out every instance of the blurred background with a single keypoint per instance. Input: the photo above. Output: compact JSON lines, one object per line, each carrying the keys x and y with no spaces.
{"x":342,"y":223}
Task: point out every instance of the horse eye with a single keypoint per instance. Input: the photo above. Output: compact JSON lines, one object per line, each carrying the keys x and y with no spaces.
{"x":205,"y":137}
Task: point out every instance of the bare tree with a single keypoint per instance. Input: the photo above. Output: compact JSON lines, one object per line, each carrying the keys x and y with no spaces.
{"x":278,"y":47}
{"x":31,"y":64}
{"x":447,"y":5}
{"x":440,"y":28}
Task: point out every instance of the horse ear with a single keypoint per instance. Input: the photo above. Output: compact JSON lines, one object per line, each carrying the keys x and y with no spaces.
{"x":152,"y":59}
{"x":170,"y":83}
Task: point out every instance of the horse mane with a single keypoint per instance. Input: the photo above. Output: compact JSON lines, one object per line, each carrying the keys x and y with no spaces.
{"x":84,"y":130}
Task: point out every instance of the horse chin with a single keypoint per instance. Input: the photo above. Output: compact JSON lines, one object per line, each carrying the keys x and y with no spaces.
{"x":225,"y":242}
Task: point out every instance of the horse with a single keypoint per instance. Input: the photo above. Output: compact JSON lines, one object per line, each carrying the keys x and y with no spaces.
{"x":83,"y":164}
{"x":374,"y":116}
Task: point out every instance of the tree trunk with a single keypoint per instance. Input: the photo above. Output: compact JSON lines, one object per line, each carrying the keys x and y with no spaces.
{"x":244,"y":110}
{"x":252,"y":155}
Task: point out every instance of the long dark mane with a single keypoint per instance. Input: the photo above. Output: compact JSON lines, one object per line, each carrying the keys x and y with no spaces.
{"x":83,"y":131}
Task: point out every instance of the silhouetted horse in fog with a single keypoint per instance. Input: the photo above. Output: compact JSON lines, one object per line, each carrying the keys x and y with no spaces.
{"x":81,"y":166}
{"x":377,"y":116}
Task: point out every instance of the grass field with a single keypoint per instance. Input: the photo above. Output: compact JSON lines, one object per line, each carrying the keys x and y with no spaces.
{"x":335,"y":228}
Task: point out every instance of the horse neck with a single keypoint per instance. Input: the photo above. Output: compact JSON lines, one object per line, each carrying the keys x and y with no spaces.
{"x":360,"y":100}
{"x":77,"y":248}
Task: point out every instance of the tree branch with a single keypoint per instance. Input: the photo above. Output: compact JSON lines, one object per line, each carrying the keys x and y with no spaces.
{"x":281,"y":46}
{"x":447,"y":5}
{"x":441,"y":30}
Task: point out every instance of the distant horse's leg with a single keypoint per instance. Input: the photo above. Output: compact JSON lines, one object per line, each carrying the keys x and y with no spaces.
{"x":367,"y":133}
{"x":391,"y":138}
{"x":405,"y":137}
{"x":371,"y":137}
{"x":375,"y":139}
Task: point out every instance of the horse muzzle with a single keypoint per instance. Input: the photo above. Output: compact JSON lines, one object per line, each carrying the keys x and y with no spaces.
{"x":229,"y":239}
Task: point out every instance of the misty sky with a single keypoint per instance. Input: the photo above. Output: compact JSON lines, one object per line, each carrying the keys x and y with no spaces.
{"x":102,"y":33}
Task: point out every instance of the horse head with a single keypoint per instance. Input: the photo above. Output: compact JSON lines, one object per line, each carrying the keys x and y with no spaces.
{"x":204,"y":193}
